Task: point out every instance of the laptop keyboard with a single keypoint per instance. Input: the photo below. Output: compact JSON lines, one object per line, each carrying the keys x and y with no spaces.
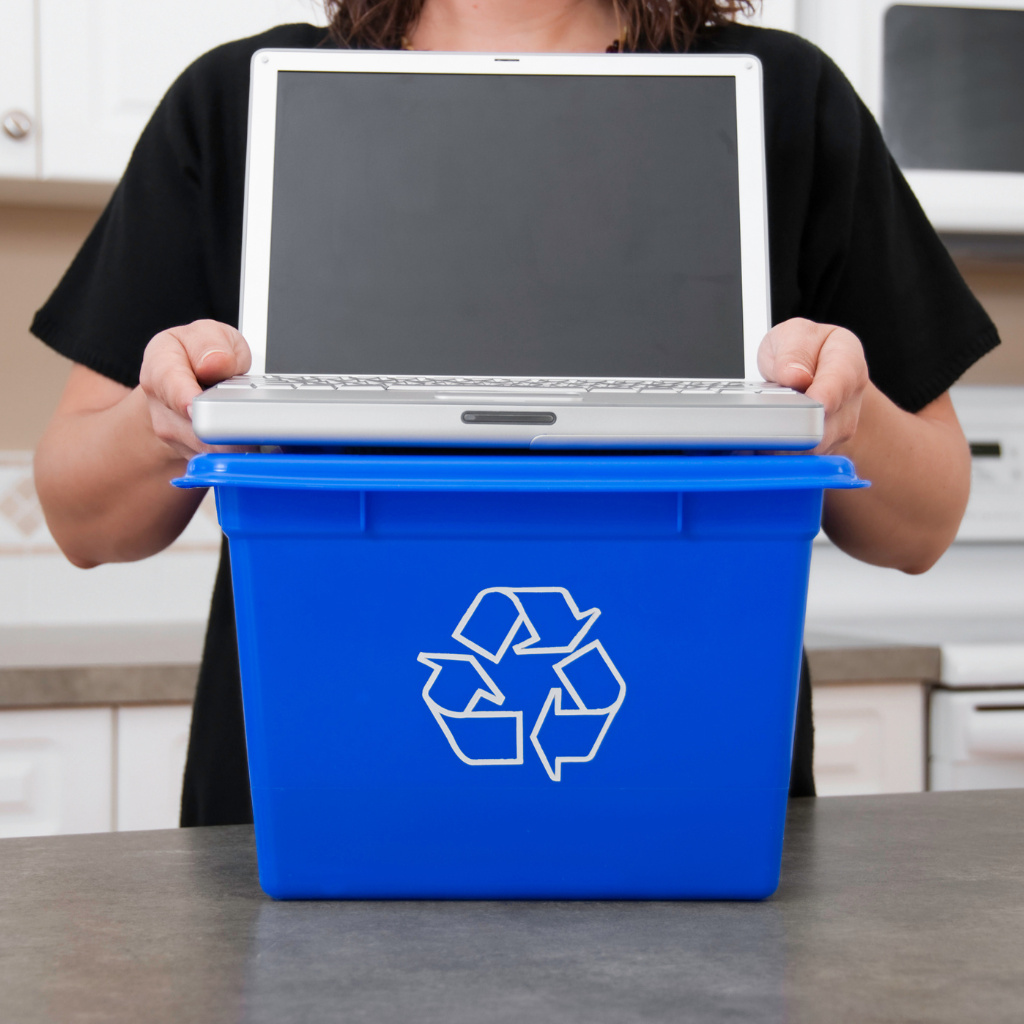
{"x":514,"y":385}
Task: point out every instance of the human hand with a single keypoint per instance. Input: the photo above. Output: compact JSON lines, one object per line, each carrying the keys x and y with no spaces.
{"x":824,"y":362}
{"x":176,"y":365}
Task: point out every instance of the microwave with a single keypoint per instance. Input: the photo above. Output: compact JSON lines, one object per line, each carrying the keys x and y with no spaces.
{"x":945,"y":79}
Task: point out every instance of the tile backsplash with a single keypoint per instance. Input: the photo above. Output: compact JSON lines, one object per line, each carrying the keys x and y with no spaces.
{"x":38,"y":586}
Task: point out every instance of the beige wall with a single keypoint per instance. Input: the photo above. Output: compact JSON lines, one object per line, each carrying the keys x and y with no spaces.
{"x":1001,"y":291}
{"x":37,"y":243}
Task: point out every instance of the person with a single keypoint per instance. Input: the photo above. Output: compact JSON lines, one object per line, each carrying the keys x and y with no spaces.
{"x":871,"y":317}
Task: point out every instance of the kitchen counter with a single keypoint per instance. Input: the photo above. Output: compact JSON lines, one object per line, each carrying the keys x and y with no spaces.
{"x":65,"y":666}
{"x":835,"y":658}
{"x":893,"y":908}
{"x":87,"y":685}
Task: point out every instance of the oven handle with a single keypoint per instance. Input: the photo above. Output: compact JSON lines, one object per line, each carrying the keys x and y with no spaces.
{"x":996,"y":730}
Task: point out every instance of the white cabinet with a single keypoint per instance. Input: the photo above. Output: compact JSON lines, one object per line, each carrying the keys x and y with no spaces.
{"x":105,"y":64}
{"x":782,"y":14}
{"x":55,"y":771}
{"x":869,"y":738}
{"x":845,"y":31}
{"x":18,"y":134}
{"x":152,"y":742}
{"x":89,"y":74}
{"x":69,"y":769}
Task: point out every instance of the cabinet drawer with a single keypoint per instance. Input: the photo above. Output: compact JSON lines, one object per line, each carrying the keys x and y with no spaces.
{"x":55,"y":771}
{"x":869,"y":738}
{"x":151,"y":747}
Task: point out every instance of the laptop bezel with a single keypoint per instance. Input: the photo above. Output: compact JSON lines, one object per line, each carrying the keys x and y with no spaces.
{"x":259,"y":173}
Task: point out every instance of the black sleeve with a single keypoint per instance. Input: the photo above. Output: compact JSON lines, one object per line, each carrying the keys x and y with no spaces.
{"x":141,"y":269}
{"x":167,"y":249}
{"x":870,"y":260}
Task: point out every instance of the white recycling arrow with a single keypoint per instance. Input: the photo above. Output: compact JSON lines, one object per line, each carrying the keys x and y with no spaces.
{"x":575,"y":717}
{"x":445,"y":717}
{"x":574,"y":624}
{"x":584,"y":742}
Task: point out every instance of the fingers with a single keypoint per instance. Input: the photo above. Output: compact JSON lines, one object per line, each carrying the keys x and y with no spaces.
{"x":825,"y":362}
{"x":177,"y":364}
{"x":839,"y":383}
{"x":175,"y":431}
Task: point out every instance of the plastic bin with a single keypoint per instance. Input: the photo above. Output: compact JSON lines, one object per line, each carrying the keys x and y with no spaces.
{"x":519,"y":676}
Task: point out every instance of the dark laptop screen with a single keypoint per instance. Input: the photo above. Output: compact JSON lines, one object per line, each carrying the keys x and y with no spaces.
{"x":505,"y":225}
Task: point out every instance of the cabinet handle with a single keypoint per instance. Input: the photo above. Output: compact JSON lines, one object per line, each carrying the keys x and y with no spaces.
{"x":16,"y":124}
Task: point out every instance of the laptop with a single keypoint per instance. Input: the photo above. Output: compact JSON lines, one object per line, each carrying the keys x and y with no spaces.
{"x":498,"y":250}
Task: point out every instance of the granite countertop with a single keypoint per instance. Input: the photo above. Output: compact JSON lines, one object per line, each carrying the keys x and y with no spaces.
{"x":64,"y":666}
{"x":49,"y":666}
{"x":892,"y":908}
{"x":840,"y":658}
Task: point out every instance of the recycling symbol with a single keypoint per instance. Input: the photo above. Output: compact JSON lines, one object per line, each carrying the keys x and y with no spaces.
{"x":545,"y":631}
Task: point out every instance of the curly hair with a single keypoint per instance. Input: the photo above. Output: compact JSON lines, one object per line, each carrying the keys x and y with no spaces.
{"x":649,"y":24}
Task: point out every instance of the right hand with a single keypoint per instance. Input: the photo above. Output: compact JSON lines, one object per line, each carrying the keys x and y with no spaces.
{"x":827,"y":364}
{"x":177,"y":364}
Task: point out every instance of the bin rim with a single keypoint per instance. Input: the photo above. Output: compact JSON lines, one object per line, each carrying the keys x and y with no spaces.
{"x":522,"y":472}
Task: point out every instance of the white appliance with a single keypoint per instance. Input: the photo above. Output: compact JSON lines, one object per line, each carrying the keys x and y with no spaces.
{"x":993,"y":420}
{"x":945,"y":79}
{"x":975,"y":594}
{"x":977,"y":731}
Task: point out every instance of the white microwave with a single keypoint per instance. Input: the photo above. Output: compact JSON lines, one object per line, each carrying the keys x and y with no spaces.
{"x":945,"y":78}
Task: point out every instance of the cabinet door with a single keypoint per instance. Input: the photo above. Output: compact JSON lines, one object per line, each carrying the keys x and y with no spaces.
{"x":776,"y":14}
{"x":55,"y":771}
{"x":18,"y":135}
{"x":849,"y":33}
{"x":151,"y":746}
{"x":869,"y":738}
{"x":105,"y":64}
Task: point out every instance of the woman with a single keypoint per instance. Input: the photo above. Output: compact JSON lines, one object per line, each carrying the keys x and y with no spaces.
{"x":872,"y":318}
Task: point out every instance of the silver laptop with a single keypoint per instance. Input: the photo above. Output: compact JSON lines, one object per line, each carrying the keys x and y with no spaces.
{"x":544,"y":251}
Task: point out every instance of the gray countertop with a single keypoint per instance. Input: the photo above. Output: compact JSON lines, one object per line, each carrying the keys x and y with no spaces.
{"x":897,"y":908}
{"x":840,"y":658}
{"x":50,"y":666}
{"x":65,"y":666}
{"x":84,"y":685}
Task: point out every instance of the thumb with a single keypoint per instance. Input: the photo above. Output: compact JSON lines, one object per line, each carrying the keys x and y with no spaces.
{"x":215,"y":351}
{"x":789,"y":353}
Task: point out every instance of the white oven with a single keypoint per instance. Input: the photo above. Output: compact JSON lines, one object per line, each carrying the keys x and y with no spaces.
{"x":945,"y":78}
{"x":977,"y":728}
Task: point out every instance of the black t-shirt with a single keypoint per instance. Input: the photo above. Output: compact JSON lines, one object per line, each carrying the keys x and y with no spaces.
{"x":849,"y":245}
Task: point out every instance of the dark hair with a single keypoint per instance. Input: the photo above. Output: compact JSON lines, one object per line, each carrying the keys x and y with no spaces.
{"x":649,"y":24}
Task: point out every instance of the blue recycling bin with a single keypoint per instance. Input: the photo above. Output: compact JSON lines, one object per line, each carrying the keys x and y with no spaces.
{"x":519,"y":676}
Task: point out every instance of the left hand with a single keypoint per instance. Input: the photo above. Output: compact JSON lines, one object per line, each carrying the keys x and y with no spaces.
{"x":824,"y":362}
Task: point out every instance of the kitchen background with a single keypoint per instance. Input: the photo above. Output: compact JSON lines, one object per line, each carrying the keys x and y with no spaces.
{"x":97,"y":667}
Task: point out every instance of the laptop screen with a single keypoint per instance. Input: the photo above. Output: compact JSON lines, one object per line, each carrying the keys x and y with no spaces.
{"x":518,"y":225}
